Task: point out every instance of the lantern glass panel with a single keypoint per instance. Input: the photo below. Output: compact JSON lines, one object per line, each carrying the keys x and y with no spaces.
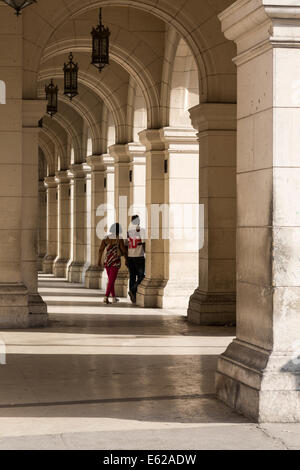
{"x":100,"y":35}
{"x":71,"y":78}
{"x":51,"y":96}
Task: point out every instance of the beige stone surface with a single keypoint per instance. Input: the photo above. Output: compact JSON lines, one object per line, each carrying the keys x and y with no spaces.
{"x":226,"y":71}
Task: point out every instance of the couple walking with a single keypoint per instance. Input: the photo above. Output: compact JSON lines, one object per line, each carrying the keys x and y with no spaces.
{"x":133,"y":249}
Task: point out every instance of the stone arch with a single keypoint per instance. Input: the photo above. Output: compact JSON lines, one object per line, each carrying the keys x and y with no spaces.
{"x":105,"y":94}
{"x":43,"y":164}
{"x":130,"y":63}
{"x":183,"y":20}
{"x":184,"y":90}
{"x":58,"y":145}
{"x":65,"y":123}
{"x":87,"y":116}
{"x":82,"y":108}
{"x":49,"y":155}
{"x":139,"y":113}
{"x":111,"y":130}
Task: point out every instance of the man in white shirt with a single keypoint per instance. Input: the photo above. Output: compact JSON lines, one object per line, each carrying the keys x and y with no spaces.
{"x":136,"y":256}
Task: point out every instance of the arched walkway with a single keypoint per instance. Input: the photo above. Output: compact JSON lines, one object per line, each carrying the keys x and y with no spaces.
{"x":193,"y":125}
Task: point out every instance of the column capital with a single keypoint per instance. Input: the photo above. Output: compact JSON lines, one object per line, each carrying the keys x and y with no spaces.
{"x":214,"y":116}
{"x":135,"y":150}
{"x":262,"y":24}
{"x":50,"y":182}
{"x":152,"y":139}
{"x":77,"y":171}
{"x":120,"y":153}
{"x":32,"y":112}
{"x":109,"y":163}
{"x":62,"y":177}
{"x":95,"y":162}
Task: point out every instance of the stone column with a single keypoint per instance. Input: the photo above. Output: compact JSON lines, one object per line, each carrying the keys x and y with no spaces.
{"x":31,"y":112}
{"x":122,"y":197}
{"x":87,"y":220}
{"x":78,"y":222}
{"x":214,"y":301}
{"x":109,"y":188}
{"x":150,"y":291}
{"x":259,"y":373}
{"x":13,"y":292}
{"x":137,"y":189}
{"x":182,"y":218}
{"x":51,"y":195}
{"x":94,"y":273}
{"x":42,"y":227}
{"x":64,"y":227}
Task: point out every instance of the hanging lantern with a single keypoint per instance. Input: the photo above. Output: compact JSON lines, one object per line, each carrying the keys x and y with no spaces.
{"x":51,"y":95}
{"x":100,"y":35}
{"x":19,"y":5}
{"x":71,"y":78}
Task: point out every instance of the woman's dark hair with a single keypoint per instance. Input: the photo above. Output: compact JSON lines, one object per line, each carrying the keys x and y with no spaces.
{"x":116,"y":229}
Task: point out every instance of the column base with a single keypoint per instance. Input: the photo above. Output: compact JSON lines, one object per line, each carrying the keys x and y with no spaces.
{"x":150,"y":293}
{"x":176,"y":294}
{"x":18,"y":310}
{"x":92,"y":278}
{"x":212,"y":309}
{"x":263,"y":385}
{"x":75,"y":272}
{"x":40,"y":261}
{"x":37,"y":311}
{"x":48,"y":263}
{"x":60,"y":267}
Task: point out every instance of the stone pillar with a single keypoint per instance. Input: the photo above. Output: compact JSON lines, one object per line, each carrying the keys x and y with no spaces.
{"x":259,"y":373}
{"x":51,"y":195}
{"x":42,"y":227}
{"x":214,"y":301}
{"x":78,"y":222}
{"x":122,"y":198}
{"x":60,"y":268}
{"x":13,"y":292}
{"x":137,"y":189}
{"x":94,"y":273}
{"x":20,"y":306}
{"x":150,"y":290}
{"x":109,"y":188}
{"x":87,"y":220}
{"x":182,"y":219}
{"x":31,"y":112}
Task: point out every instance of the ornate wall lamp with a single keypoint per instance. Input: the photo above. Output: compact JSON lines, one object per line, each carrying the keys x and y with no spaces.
{"x":71,"y":78}
{"x":51,"y":96}
{"x":100,"y":35}
{"x":19,"y":5}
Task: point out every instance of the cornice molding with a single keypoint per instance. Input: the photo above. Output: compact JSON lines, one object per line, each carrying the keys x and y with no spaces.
{"x":252,"y":23}
{"x":214,"y":116}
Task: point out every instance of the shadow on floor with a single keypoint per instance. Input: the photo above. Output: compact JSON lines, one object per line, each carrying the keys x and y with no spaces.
{"x":156,"y":388}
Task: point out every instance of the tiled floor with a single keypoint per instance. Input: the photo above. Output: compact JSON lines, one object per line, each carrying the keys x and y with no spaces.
{"x":118,"y":377}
